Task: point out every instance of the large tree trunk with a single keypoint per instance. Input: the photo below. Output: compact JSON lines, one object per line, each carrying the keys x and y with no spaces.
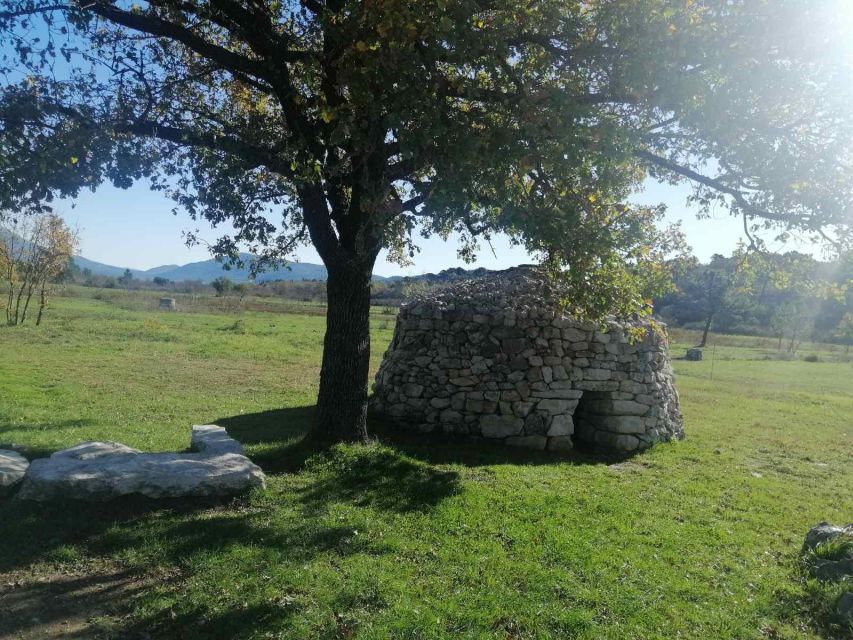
{"x":342,"y":401}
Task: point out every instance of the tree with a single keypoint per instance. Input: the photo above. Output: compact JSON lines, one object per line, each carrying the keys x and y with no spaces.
{"x":845,"y":330}
{"x":126,"y":278}
{"x":159,"y":281}
{"x":707,"y":289}
{"x":356,"y":125}
{"x":34,"y":251}
{"x":797,"y":293}
{"x":222,"y":286}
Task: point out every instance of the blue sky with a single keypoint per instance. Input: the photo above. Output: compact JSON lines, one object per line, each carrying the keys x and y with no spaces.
{"x":136,"y":228}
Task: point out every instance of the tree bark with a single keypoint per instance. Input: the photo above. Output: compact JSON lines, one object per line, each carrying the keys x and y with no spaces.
{"x":342,"y":401}
{"x":708,"y":322}
{"x":42,"y":301}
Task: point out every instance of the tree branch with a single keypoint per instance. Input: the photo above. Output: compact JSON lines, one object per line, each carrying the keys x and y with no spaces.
{"x":717,"y":185}
{"x":9,"y":15}
{"x":254,"y":156}
{"x":158,"y":27}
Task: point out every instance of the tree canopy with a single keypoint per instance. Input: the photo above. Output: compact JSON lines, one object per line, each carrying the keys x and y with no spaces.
{"x":357,"y":125}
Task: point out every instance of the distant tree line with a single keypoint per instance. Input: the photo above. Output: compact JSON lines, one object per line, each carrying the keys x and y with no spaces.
{"x":792,"y":297}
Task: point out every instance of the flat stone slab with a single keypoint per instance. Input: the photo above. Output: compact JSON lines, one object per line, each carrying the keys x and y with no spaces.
{"x":13,"y":466}
{"x":94,"y":449}
{"x":96,"y":471}
{"x":210,"y":438}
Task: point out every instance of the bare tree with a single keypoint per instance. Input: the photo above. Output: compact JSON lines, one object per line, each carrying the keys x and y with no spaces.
{"x":34,"y":251}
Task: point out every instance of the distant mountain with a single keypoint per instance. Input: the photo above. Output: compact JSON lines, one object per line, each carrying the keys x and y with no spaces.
{"x":98,"y":268}
{"x":156,"y":271}
{"x":209,"y":270}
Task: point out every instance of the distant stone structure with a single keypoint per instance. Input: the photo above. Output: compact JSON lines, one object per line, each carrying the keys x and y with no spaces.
{"x":496,"y":358}
{"x":168,"y":304}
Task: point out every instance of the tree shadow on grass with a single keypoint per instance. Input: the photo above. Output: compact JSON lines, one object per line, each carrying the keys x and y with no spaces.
{"x":275,"y":440}
{"x":62,"y":606}
{"x":385,"y":478}
{"x":378,"y":477}
{"x":132,"y":553}
{"x":288,"y":524}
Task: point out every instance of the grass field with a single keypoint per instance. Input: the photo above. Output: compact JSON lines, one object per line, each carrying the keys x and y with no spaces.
{"x":696,"y":539}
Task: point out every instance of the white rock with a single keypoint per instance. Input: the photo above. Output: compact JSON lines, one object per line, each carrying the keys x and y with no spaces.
{"x":493,"y":426}
{"x":103,"y":470}
{"x":561,"y":426}
{"x":13,"y":466}
{"x":211,"y":438}
{"x":94,"y":449}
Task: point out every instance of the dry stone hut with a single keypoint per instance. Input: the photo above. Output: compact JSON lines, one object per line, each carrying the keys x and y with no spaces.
{"x":496,"y":358}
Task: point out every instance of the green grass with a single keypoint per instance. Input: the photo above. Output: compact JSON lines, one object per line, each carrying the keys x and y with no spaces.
{"x":402,"y":539}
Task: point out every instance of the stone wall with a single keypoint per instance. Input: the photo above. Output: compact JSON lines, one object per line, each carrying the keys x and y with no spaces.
{"x":495,"y":358}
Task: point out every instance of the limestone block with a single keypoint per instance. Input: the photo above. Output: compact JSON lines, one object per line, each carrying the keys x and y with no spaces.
{"x":613,"y":407}
{"x":570,"y":334}
{"x":413,"y":390}
{"x":535,"y":424}
{"x":495,"y":426}
{"x":210,"y":438}
{"x":555,"y":407}
{"x":617,"y":442}
{"x":439,"y":403}
{"x":13,"y":466}
{"x":522,"y":409}
{"x":96,"y":471}
{"x":559,"y":394}
{"x":619,"y":424}
{"x":561,"y":426}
